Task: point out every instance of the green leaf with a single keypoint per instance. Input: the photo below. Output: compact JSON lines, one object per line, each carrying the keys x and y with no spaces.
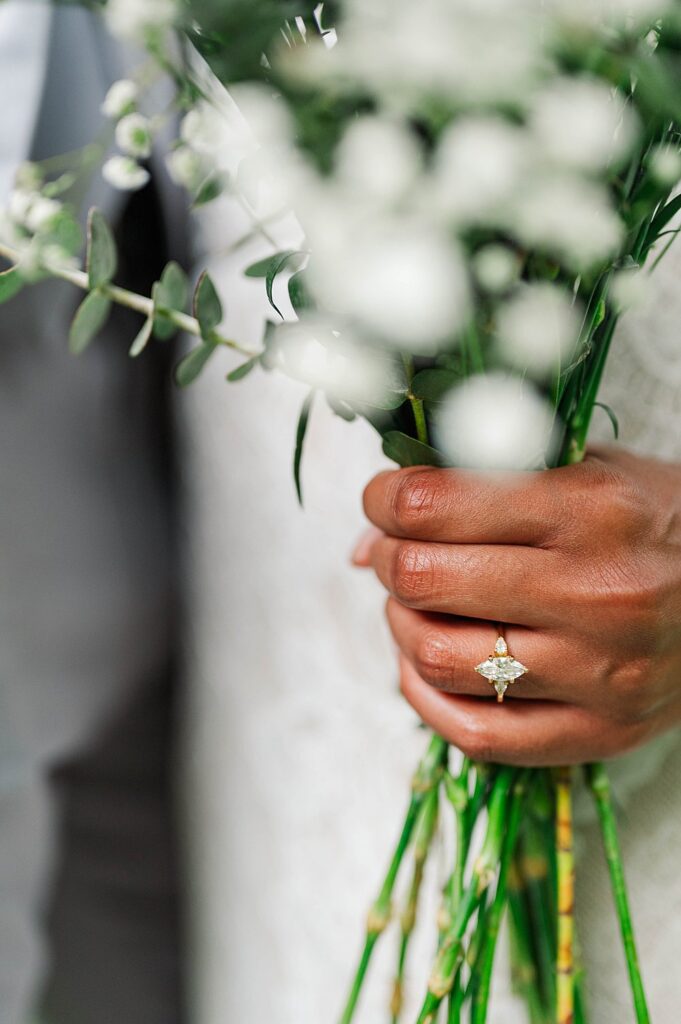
{"x":210,"y":189}
{"x":243,"y":370}
{"x":298,"y":293}
{"x":11,"y":282}
{"x":66,"y":233}
{"x":612,"y":416}
{"x":207,"y":305}
{"x":90,"y":317}
{"x":341,"y":408}
{"x":141,"y":341}
{"x":102,"y":259}
{"x":189,"y":368}
{"x":171,"y":292}
{"x":301,"y":431}
{"x":433,"y":385}
{"x":272,"y":274}
{"x":263,"y":267}
{"x":661,"y":219}
{"x":407,"y":451}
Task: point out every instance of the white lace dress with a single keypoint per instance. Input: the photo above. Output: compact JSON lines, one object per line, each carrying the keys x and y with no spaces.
{"x":301,"y":748}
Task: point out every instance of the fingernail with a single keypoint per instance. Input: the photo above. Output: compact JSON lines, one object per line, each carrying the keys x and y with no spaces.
{"x":362,"y":552}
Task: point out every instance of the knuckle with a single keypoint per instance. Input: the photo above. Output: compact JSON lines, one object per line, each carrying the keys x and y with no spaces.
{"x":433,"y":659}
{"x":413,"y":496}
{"x":412,"y":573}
{"x":475,"y":742}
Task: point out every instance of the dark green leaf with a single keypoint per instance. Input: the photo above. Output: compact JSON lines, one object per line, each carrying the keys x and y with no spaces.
{"x":210,"y":189}
{"x":10,"y":283}
{"x":243,"y":370}
{"x":407,"y":451}
{"x":141,"y":341}
{"x":207,"y":305}
{"x":90,"y":317}
{"x":189,"y":368}
{"x":273,"y":272}
{"x":661,"y":219}
{"x":433,"y":385}
{"x":612,"y":416}
{"x":300,"y":443}
{"x":102,"y":260}
{"x":170,"y":293}
{"x":263,"y":267}
{"x":298,"y":293}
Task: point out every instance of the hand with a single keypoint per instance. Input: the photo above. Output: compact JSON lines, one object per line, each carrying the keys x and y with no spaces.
{"x":581,"y":565}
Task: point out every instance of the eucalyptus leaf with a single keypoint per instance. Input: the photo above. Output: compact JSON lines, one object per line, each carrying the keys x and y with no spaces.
{"x":341,"y":408}
{"x":433,"y":385}
{"x":262,"y":267}
{"x":90,"y":317}
{"x":102,"y":258}
{"x":212,"y":188}
{"x":407,"y":451}
{"x":189,"y":368}
{"x":274,"y":271}
{"x":142,"y":340}
{"x":298,"y":293}
{"x":243,"y":370}
{"x":11,"y":282}
{"x":301,"y":431}
{"x":171,"y":292}
{"x":207,"y":306}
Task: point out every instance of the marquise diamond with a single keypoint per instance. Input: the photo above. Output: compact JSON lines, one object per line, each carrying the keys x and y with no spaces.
{"x":501,"y":668}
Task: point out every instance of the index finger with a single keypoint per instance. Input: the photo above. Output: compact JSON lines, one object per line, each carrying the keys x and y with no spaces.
{"x":464,"y":507}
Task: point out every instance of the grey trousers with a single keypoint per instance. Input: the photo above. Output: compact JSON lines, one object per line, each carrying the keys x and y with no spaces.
{"x":89,"y":879}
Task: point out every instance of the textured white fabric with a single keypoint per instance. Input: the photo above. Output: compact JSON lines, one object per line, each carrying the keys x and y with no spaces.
{"x":302,"y":748}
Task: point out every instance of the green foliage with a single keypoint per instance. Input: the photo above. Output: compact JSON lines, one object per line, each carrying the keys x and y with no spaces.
{"x":207,"y":306}
{"x":10,"y":284}
{"x":90,"y":317}
{"x":301,"y":431}
{"x":102,"y":259}
{"x":243,"y":370}
{"x":407,"y":451}
{"x":142,"y":340}
{"x":210,"y":189}
{"x":170,"y":293}
{"x":432,"y":385}
{"x":189,"y":368}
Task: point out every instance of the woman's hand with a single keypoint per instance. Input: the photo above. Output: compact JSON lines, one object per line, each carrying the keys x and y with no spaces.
{"x":581,"y":565}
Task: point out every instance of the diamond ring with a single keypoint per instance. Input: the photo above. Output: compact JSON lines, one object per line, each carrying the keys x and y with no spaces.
{"x":501,"y":668}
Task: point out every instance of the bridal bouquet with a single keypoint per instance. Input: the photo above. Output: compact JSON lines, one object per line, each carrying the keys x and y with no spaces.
{"x":479,"y":184}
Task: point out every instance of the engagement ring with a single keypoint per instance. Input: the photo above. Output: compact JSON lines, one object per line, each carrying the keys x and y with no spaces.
{"x":501,"y":668}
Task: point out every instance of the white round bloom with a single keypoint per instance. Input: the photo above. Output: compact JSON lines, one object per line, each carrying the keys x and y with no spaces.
{"x":185,"y":167}
{"x":569,"y":217}
{"x":477,"y":166}
{"x":401,"y":280}
{"x":581,"y":122}
{"x":19,"y":204}
{"x":120,"y":99}
{"x":538,"y":328}
{"x":311,"y":352}
{"x":495,"y":267}
{"x":42,"y":213}
{"x":133,"y":135}
{"x":124,"y":173}
{"x":665,"y":165}
{"x":133,"y":19}
{"x":378,"y":156}
{"x":494,"y":421}
{"x":629,"y":289}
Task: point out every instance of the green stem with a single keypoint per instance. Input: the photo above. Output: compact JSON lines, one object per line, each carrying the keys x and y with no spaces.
{"x":600,"y":787}
{"x":131,"y":300}
{"x":493,"y":918}
{"x":417,"y":407}
{"x":426,"y":777}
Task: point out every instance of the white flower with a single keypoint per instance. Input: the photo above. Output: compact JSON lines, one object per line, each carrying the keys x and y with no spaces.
{"x":496,"y":268}
{"x":665,"y":165}
{"x":29,"y":176}
{"x":120,"y":99}
{"x":133,"y":19}
{"x":580,"y":122}
{"x":477,"y":166}
{"x":538,"y":328}
{"x":124,"y":173}
{"x":569,"y":217}
{"x":133,"y":135}
{"x":629,"y":289}
{"x":19,"y":204}
{"x":400,"y":279}
{"x":311,"y":352}
{"x":42,"y":213}
{"x":494,"y":421}
{"x":185,"y":167}
{"x":379,"y":157}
